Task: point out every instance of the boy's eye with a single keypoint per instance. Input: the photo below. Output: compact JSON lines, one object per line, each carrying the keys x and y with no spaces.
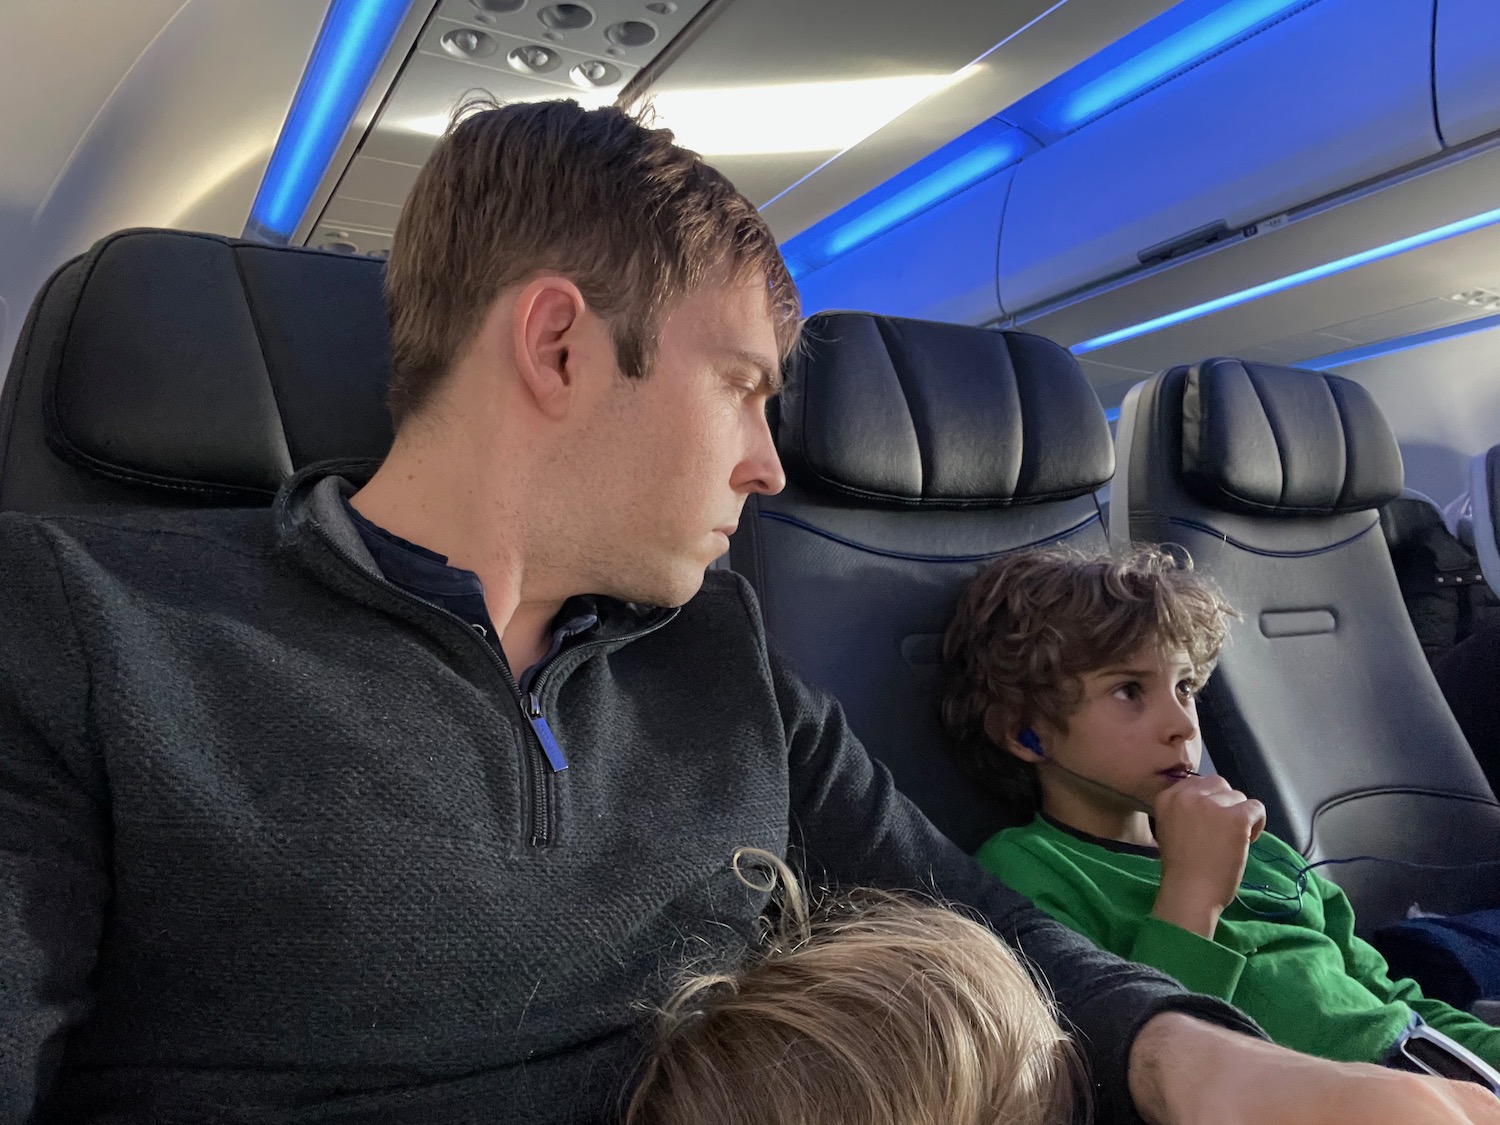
{"x":1187,"y":688}
{"x":1129,"y":691}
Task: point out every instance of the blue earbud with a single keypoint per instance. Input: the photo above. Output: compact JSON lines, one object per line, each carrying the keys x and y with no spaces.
{"x":1028,"y":739}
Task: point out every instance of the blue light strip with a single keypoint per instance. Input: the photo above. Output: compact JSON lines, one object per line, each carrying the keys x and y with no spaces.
{"x":1291,"y":281}
{"x":1161,"y":60}
{"x":1402,"y":343}
{"x":927,"y":192}
{"x":958,"y":165}
{"x":354,"y":39}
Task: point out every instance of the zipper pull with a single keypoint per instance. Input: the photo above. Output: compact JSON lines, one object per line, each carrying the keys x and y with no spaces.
{"x":534,"y":716}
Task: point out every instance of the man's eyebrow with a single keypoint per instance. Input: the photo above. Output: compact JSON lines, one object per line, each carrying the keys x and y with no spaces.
{"x":770,"y":373}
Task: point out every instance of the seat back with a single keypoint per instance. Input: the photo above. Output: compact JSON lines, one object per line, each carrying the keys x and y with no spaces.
{"x":165,"y":368}
{"x":1323,"y":705}
{"x":1484,"y":500}
{"x":914,"y":452}
{"x":1445,"y":591}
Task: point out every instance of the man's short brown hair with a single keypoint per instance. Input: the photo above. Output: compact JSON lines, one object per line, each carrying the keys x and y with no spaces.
{"x":1031,"y":625}
{"x":635,"y":221}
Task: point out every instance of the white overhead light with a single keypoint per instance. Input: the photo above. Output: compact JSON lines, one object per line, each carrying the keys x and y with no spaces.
{"x":790,"y":117}
{"x":436,"y":124}
{"x":813,"y":117}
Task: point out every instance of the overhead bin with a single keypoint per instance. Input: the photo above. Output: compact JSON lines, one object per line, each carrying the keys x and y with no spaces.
{"x":1467,"y":63}
{"x":1333,"y":95}
{"x":939,"y":265}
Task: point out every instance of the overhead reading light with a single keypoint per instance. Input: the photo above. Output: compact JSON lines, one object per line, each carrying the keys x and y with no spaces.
{"x":822,"y":117}
{"x":1401,"y":343}
{"x":960,"y":164}
{"x":1291,"y":281}
{"x":1161,"y":60}
{"x":351,"y":44}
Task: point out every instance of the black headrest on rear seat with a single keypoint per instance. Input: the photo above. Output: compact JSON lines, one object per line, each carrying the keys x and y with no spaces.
{"x":1267,"y":440}
{"x":915,"y":453}
{"x":907,"y":413}
{"x":194,"y":368}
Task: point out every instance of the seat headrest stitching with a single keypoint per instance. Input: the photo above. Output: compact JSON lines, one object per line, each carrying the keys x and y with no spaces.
{"x":1346,"y":435}
{"x":1276,"y":435}
{"x":52,"y":429}
{"x":890,"y":337}
{"x":265,"y":359}
{"x":1194,"y":525}
{"x":905,"y":556}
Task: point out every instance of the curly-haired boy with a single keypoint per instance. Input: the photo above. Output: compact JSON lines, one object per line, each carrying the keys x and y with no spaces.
{"x":1071,"y":694}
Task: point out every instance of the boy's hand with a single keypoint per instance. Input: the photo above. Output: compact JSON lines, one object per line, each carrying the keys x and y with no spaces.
{"x":1204,"y":829}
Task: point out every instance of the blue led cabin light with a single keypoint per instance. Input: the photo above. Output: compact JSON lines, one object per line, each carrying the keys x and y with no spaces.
{"x":354,"y":39}
{"x":1291,"y":281}
{"x":981,"y":152}
{"x":1164,"y":59}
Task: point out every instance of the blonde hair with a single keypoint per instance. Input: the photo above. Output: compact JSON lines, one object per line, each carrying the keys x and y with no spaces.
{"x":636,"y":221}
{"x":872,"y":1009}
{"x":1031,"y":625}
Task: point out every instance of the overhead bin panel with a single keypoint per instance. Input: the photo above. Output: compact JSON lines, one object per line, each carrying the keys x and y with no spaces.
{"x":939,"y":265}
{"x":1467,"y":58}
{"x":1335,"y":94}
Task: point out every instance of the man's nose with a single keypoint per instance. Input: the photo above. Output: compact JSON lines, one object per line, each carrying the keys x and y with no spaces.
{"x":760,"y":470}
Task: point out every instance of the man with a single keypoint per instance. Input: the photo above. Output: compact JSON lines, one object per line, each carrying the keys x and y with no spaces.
{"x":396,"y":802}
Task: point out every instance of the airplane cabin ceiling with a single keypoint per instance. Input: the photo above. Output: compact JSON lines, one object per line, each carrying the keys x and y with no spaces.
{"x":773,"y":63}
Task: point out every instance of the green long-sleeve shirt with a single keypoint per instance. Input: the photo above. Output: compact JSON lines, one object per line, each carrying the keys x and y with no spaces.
{"x":1304,"y":977}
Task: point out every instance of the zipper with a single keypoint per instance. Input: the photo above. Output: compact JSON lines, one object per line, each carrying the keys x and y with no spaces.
{"x":536,"y":816}
{"x":544,"y":758}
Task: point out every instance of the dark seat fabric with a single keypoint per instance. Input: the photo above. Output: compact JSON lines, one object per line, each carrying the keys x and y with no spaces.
{"x":1446,"y":595}
{"x":915,"y":452}
{"x":1323,"y":705}
{"x":1484,"y":499}
{"x":177,"y":369}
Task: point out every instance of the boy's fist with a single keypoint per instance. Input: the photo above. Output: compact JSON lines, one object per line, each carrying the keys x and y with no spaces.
{"x":1204,"y":829}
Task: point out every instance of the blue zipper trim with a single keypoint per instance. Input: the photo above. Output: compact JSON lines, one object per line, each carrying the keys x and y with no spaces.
{"x":538,"y":723}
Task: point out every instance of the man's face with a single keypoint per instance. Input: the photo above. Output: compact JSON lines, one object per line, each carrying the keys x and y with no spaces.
{"x":676,"y":453}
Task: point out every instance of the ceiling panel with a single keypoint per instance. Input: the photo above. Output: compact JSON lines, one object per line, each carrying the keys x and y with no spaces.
{"x":770,"y":91}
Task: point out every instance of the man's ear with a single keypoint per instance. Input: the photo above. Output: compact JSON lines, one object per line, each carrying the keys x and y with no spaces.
{"x":995,"y":729}
{"x":545,"y":328}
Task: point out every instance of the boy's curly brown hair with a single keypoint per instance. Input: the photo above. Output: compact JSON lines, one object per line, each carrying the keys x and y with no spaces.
{"x":1031,"y":625}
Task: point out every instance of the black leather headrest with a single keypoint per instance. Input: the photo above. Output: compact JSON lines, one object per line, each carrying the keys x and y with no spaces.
{"x":909,"y":413}
{"x":1283,"y":441}
{"x":199,"y":363}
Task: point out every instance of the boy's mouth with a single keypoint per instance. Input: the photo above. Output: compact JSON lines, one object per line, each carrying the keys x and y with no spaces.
{"x":1177,"y":773}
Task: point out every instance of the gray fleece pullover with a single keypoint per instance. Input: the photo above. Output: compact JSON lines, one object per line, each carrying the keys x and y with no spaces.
{"x":269,"y":845}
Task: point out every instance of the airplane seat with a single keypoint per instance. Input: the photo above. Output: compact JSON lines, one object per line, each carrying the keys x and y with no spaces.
{"x":915,"y":452}
{"x":172,"y":369}
{"x":1441,"y":582}
{"x":1484,"y":496}
{"x":1323,"y":706}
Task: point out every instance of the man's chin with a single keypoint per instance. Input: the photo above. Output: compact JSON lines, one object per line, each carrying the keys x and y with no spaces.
{"x":665,"y":590}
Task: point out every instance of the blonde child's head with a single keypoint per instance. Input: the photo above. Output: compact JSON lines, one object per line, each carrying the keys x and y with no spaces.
{"x":871,"y":1009}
